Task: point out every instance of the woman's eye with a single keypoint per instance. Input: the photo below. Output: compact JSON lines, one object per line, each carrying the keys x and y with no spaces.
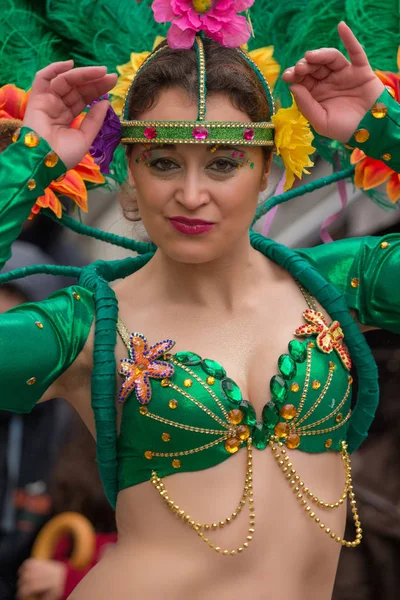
{"x":223,"y":165}
{"x":163,"y":164}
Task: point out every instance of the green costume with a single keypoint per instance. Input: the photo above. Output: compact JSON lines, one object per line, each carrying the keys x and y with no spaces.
{"x":184,"y":413}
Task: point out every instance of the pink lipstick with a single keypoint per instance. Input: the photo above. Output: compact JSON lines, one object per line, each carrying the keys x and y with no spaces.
{"x":191,"y":226}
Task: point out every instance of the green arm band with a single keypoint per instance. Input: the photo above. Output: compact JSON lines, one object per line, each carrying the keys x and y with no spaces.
{"x":21,"y":165}
{"x":380,"y":130}
{"x":38,"y":342}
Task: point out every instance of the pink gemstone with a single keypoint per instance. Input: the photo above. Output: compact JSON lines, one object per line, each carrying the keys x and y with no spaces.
{"x":248,"y":134}
{"x":200,"y":133}
{"x":150,"y":133}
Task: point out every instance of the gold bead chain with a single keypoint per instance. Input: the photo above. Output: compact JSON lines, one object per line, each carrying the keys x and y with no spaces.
{"x":199,"y":528}
{"x":302,"y":492}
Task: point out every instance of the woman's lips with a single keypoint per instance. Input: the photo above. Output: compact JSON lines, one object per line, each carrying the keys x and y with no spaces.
{"x":191,"y":226}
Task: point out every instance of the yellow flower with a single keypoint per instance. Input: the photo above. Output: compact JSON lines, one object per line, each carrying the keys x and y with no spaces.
{"x":127,"y":73}
{"x":263,"y":57}
{"x":293,"y":138}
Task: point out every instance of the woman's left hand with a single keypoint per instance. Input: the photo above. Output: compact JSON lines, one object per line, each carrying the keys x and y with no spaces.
{"x":44,"y":577}
{"x":331,"y":92}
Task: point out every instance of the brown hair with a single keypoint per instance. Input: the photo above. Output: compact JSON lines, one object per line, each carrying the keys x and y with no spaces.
{"x":226,"y":71}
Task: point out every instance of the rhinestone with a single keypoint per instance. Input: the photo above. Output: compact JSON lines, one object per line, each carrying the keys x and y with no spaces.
{"x":361,"y":135}
{"x":243,"y":432}
{"x":176,"y":463}
{"x":76,"y":296}
{"x":385,"y":245}
{"x":379,"y":110}
{"x":328,"y":443}
{"x":316,"y":384}
{"x":281,"y":430}
{"x":150,"y":133}
{"x":295,"y":387}
{"x":297,"y":351}
{"x":210,"y":380}
{"x":51,"y":159}
{"x":212,"y":368}
{"x":165,"y":437}
{"x":232,"y":445}
{"x":387,"y":156}
{"x":310,"y":344}
{"x":339,"y":417}
{"x":164,"y":382}
{"x":31,"y":139}
{"x":173,"y":404}
{"x":31,"y":381}
{"x":288,"y":412}
{"x":16,"y":134}
{"x":332,"y":365}
{"x":188,"y":358}
{"x":355,"y":282}
{"x":248,"y":134}
{"x":31,"y":184}
{"x":287,"y":366}
{"x":39,"y":324}
{"x":293,"y":441}
{"x":188,"y":383}
{"x":250,"y":413}
{"x":235,"y":416}
{"x":391,"y":91}
{"x":231,"y":390}
{"x":148,"y":454}
{"x":279,"y":389}
{"x":259,"y":436}
{"x":143,"y":410}
{"x":200,"y":133}
{"x":270,"y":415}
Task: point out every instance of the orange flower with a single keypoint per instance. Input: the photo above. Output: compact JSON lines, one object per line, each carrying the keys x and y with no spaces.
{"x":13,"y":103}
{"x":371,"y":172}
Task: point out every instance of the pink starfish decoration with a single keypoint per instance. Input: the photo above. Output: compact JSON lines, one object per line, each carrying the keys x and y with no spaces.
{"x":141,"y":365}
{"x":329,"y":337}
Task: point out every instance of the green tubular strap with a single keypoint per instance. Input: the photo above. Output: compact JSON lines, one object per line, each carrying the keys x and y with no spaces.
{"x":334,"y":303}
{"x":40,"y":269}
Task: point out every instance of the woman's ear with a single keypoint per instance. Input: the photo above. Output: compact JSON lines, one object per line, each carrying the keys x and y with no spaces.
{"x":265,"y":174}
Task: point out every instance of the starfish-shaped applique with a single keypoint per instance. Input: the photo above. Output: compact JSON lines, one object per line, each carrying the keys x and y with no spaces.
{"x":141,"y":365}
{"x":330,"y":337}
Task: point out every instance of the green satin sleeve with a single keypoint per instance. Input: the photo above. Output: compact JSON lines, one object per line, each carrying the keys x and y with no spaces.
{"x":38,"y":342}
{"x":23,"y":178}
{"x":367,"y":271}
{"x":380,"y":132}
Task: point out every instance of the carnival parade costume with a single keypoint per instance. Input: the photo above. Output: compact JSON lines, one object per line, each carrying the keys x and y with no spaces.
{"x":182,"y":412}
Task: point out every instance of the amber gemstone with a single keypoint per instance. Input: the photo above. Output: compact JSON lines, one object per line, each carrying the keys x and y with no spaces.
{"x":76,"y":296}
{"x":288,"y":412}
{"x":379,"y":110}
{"x":31,"y":184}
{"x":293,"y":441}
{"x":350,"y":379}
{"x":176,"y":463}
{"x":281,"y":430}
{"x":243,"y":432}
{"x":295,"y":387}
{"x":143,"y":410}
{"x":332,"y":365}
{"x":297,"y":351}
{"x":173,"y":403}
{"x":210,"y":380}
{"x":355,"y":282}
{"x":386,"y":156}
{"x":391,"y":91}
{"x":148,"y":454}
{"x":316,"y":384}
{"x":279,"y":389}
{"x":188,"y":358}
{"x":51,"y":159}
{"x":232,"y":445}
{"x":164,"y":382}
{"x":31,"y":139}
{"x":39,"y":324}
{"x":231,"y":390}
{"x":31,"y":381}
{"x":361,"y":135}
{"x":328,"y":443}
{"x":384,"y":245}
{"x":311,"y":344}
{"x":287,"y":366}
{"x":188,"y":383}
{"x":165,"y":437}
{"x":235,"y":416}
{"x":339,"y":417}
{"x":211,"y":367}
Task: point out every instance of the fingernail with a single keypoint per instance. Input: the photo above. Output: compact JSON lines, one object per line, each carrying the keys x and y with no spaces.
{"x":288,"y":72}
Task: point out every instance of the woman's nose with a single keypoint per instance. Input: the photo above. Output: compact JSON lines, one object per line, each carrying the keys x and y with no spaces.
{"x":191,"y":192}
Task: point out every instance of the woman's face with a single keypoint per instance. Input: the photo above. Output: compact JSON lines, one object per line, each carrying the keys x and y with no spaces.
{"x":196,"y":201}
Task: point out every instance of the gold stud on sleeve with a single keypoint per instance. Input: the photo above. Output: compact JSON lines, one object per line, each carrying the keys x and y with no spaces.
{"x":387,"y":156}
{"x":51,"y":159}
{"x":355,"y":282}
{"x":31,"y":381}
{"x":31,"y":184}
{"x":379,"y":110}
{"x":31,"y":139}
{"x":361,"y":135}
{"x":385,"y":245}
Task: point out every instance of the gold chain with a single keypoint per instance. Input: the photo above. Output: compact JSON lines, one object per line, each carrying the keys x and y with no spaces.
{"x":303,"y":493}
{"x":308,"y":297}
{"x":200,"y":528}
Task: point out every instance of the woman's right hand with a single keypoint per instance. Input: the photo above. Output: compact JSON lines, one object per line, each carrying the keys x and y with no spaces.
{"x":59,"y":94}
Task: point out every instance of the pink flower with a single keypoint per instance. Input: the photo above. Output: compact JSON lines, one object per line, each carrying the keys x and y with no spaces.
{"x":219,"y":20}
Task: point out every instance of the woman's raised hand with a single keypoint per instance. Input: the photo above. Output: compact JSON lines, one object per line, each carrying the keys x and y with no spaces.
{"x":331,"y":92}
{"x":59,"y":94}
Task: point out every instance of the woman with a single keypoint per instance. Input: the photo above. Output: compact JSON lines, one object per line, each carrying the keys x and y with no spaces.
{"x":217,"y":296}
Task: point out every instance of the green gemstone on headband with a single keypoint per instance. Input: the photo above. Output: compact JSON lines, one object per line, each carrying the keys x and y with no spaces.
{"x":198,"y":132}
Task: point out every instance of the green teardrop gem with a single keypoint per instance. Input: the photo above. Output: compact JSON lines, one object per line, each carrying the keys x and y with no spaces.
{"x":260,"y":436}
{"x":279,"y":389}
{"x":297,"y":351}
{"x":211,"y":367}
{"x":270,"y":415}
{"x":249,"y":412}
{"x":231,"y":390}
{"x":188,"y":358}
{"x":287,"y":366}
